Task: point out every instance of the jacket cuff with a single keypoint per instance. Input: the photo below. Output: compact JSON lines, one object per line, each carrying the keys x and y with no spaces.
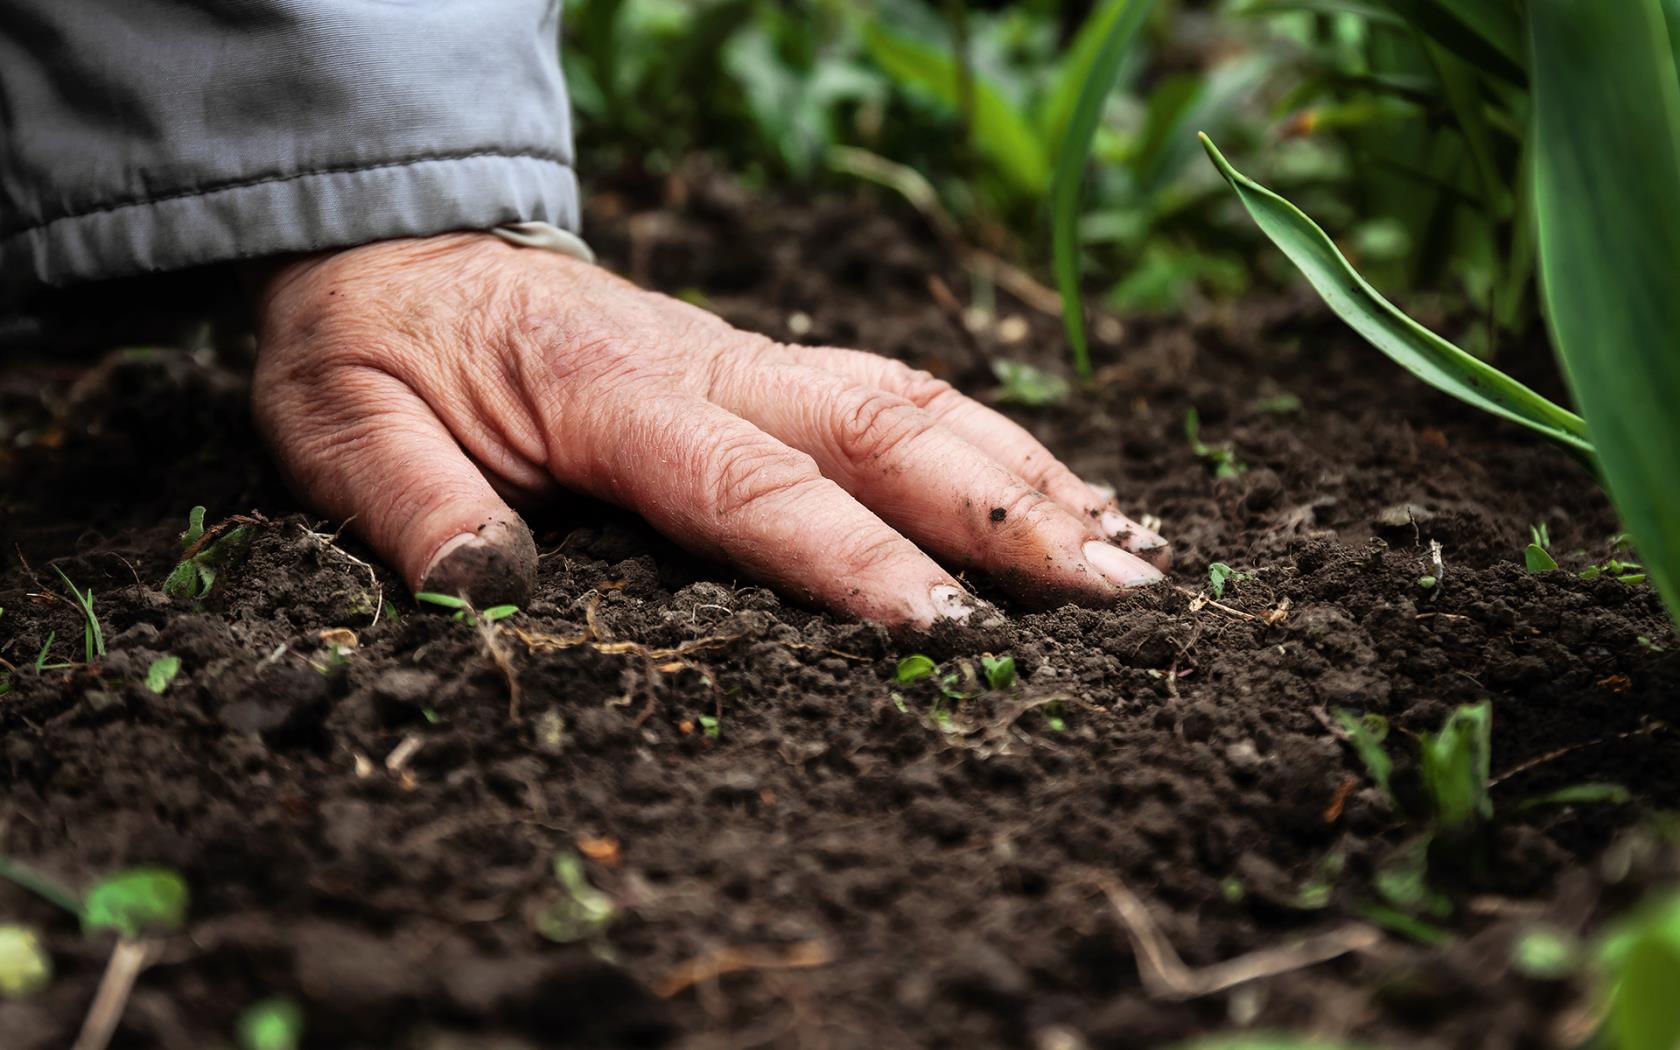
{"x":303,"y":212}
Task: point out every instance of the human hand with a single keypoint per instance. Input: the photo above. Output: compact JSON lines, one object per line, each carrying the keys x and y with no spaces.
{"x":419,"y":387}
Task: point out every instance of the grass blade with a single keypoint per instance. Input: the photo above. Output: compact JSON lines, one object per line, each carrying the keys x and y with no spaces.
{"x":1485,"y":33}
{"x":999,"y":131}
{"x":1415,"y":348}
{"x":1075,"y":70}
{"x":1071,"y":156}
{"x":1607,"y":201}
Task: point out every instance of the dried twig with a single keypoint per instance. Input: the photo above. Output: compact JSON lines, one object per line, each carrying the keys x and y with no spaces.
{"x":1650,"y":727}
{"x":1165,"y":976}
{"x":723,"y":961}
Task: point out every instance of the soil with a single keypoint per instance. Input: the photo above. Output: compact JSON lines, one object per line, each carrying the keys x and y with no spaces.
{"x":797,"y":849}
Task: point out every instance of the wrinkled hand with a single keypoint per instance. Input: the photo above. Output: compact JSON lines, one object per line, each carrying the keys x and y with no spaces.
{"x":419,"y":387}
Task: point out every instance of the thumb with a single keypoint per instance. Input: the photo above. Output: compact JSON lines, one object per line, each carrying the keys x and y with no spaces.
{"x":373,"y":452}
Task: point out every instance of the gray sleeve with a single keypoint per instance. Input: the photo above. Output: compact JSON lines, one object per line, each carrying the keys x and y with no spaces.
{"x":139,"y":136}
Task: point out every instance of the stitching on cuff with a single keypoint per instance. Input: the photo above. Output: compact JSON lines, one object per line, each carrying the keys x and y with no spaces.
{"x":200,"y":191}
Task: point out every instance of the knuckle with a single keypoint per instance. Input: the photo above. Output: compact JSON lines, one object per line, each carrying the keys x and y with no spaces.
{"x":872,"y":556}
{"x":925,"y":391}
{"x":876,"y":424}
{"x":744,"y":479}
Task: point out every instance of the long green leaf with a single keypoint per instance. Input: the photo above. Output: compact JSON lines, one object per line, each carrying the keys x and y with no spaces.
{"x":1484,"y":33}
{"x":1071,"y":155}
{"x":998,"y":129}
{"x":1410,"y":345}
{"x":1607,"y":201}
{"x":1074,"y":71}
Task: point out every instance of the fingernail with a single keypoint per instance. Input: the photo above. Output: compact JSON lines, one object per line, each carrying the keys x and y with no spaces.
{"x":1128,"y":533}
{"x":952,"y":603}
{"x":1120,"y":568}
{"x":493,"y":565}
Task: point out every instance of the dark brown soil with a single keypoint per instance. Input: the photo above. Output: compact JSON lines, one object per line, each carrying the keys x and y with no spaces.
{"x":845,"y":862}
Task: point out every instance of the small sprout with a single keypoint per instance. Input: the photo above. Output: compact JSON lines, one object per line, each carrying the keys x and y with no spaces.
{"x":1053,"y":717}
{"x":1404,"y":882}
{"x":1222,"y":458}
{"x":1366,"y":733}
{"x":25,"y":967}
{"x":710,"y":726}
{"x":1028,"y":385}
{"x":93,"y":636}
{"x":1220,"y":574}
{"x":272,"y":1024}
{"x":194,"y":575}
{"x":135,"y":902}
{"x":1280,"y":405}
{"x":1538,"y":559}
{"x":1646,"y":643}
{"x":430,"y":715}
{"x":1545,"y":954}
{"x":1427,"y":583}
{"x":161,"y":672}
{"x":898,"y":702}
{"x":464,"y":611}
{"x":914,"y":668}
{"x":195,"y":527}
{"x":581,"y":910}
{"x":1540,"y":536}
{"x":1315,"y":894}
{"x":999,"y":670}
{"x":1455,"y":766}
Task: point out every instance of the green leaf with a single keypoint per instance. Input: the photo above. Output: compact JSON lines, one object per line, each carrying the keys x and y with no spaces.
{"x":272,"y":1024}
{"x":1027,"y":384}
{"x":1455,"y":766}
{"x":1538,"y":559}
{"x":447,"y":601}
{"x":1075,"y":70}
{"x":183,"y":581}
{"x":998,"y":130}
{"x":161,"y":672}
{"x":580,"y":910}
{"x":1000,"y":671}
{"x":1072,"y":152}
{"x":914,"y":668}
{"x":710,"y":726}
{"x":1580,"y":794}
{"x":1545,"y":953}
{"x":1367,"y":734}
{"x":1415,"y":348}
{"x":1485,"y":33}
{"x":137,"y":901}
{"x":25,"y":966}
{"x":195,"y":527}
{"x":1644,"y":960}
{"x":1607,"y":200}
{"x":498,"y":612}
{"x":1218,"y":574}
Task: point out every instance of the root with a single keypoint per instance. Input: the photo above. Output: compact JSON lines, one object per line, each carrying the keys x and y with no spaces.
{"x":1165,"y":976}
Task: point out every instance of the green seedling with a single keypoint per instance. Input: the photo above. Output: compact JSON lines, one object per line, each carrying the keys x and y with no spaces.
{"x":1427,"y":583}
{"x":1025,"y":384}
{"x":580,"y":911}
{"x":132,"y":902}
{"x":1220,"y":574}
{"x":1222,"y":458}
{"x":93,"y":636}
{"x":914,"y":668}
{"x":1641,"y":963}
{"x":161,"y":672}
{"x":464,"y":611}
{"x":1537,"y":556}
{"x":272,"y":1024}
{"x":1545,"y":953}
{"x":136,"y":902}
{"x":1366,"y":733}
{"x":999,"y":671}
{"x":1454,"y":764}
{"x":206,"y":554}
{"x":710,"y":726}
{"x":25,"y":967}
{"x":1629,"y":572}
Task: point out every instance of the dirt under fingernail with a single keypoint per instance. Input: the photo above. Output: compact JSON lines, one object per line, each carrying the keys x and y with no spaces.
{"x":497,"y":566}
